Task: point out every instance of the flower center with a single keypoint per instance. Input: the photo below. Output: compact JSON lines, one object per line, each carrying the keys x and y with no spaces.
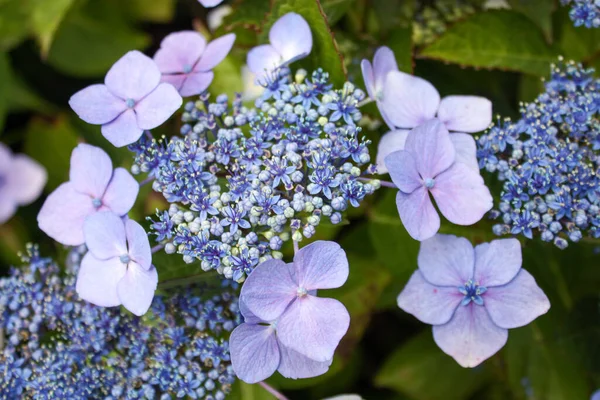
{"x":187,"y":68}
{"x":429,"y":183}
{"x":125,"y":259}
{"x":301,"y":292}
{"x":97,"y":203}
{"x":130,"y":103}
{"x":472,"y":292}
{"x":379,"y":95}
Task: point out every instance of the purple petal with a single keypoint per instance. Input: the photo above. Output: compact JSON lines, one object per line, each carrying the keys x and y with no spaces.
{"x":269,"y":289}
{"x":294,"y":365}
{"x":176,"y":80}
{"x":96,"y":104}
{"x":158,"y":106}
{"x":91,"y":170}
{"x":430,"y":304}
{"x":368,"y":77}
{"x":254,"y":352}
{"x":136,"y":289}
{"x":461,"y":195}
{"x":8,"y":207}
{"x":210,"y":3}
{"x":321,"y":265}
{"x":138,"y":244}
{"x":417,"y":213}
{"x":263,"y":59}
{"x":431,"y":147}
{"x":517,"y":303}
{"x":465,"y":149}
{"x":179,"y":50}
{"x":596,"y":395}
{"x":196,"y":83}
{"x":403,"y":171}
{"x":133,"y":76}
{"x":470,"y":337}
{"x":497,"y":262}
{"x":6,"y":157}
{"x":290,"y":36}
{"x":121,"y":192}
{"x":409,"y":101}
{"x":104,"y":234}
{"x":249,"y":318}
{"x":446,"y":260}
{"x":215,"y":52}
{"x":26,"y":180}
{"x":384,"y":61}
{"x":313,"y":327}
{"x":465,"y":113}
{"x":97,"y":280}
{"x":63,"y":214}
{"x":122,"y":131}
{"x":389,"y":143}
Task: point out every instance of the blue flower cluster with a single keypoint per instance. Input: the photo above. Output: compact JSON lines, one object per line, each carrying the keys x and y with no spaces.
{"x":56,"y":346}
{"x":242,"y":181}
{"x":584,"y":12}
{"x":549,"y":159}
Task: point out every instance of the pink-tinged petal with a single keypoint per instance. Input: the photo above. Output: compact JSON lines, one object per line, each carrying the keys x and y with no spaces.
{"x":294,"y":365}
{"x":97,"y":105}
{"x":196,"y":83}
{"x":461,"y":195}
{"x":26,"y":180}
{"x":210,"y":3}
{"x":446,"y":260}
{"x":138,"y":244}
{"x":368,"y":77}
{"x":497,"y":262}
{"x":91,"y":170}
{"x":384,"y":61}
{"x":465,"y":113}
{"x":408,"y":101}
{"x":470,"y":337}
{"x":97,"y":280}
{"x":263,"y":59}
{"x":321,"y":265}
{"x":215,"y":52}
{"x":124,"y":130}
{"x":465,"y":149}
{"x":313,"y":327}
{"x":249,"y":318}
{"x":178,"y":51}
{"x":390,"y":142}
{"x":290,"y":36}
{"x":104,"y":234}
{"x":403,"y":171}
{"x":63,"y":214}
{"x":517,"y":303}
{"x":431,"y":147}
{"x":133,"y":76}
{"x":8,"y":207}
{"x":269,"y":289}
{"x":417,"y":213}
{"x":121,"y":192}
{"x":136,"y":289}
{"x":430,"y":304}
{"x":176,"y":80}
{"x":158,"y":106}
{"x":254,"y":352}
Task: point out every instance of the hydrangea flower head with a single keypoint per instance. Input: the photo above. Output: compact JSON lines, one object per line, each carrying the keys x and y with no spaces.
{"x":131,"y":100}
{"x":375,"y":75}
{"x":290,"y":39}
{"x":118,"y":266}
{"x":186,"y":60}
{"x":93,"y":186}
{"x":21,"y":181}
{"x":429,"y":164}
{"x":472,"y":296}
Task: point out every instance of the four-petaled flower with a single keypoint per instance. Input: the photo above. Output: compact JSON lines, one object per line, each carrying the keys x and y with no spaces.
{"x":117,"y":268}
{"x":131,"y":100}
{"x":374,"y":76}
{"x":472,"y":296}
{"x":428,"y":164}
{"x":93,"y":186}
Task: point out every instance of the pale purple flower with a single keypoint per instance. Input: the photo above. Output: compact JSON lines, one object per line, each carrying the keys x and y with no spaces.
{"x":186,"y":60}
{"x":117,"y":269}
{"x":93,"y":186}
{"x":131,"y":100}
{"x":596,"y":395}
{"x":472,"y":296}
{"x":22,"y":180}
{"x":374,"y":76}
{"x":428,"y":165}
{"x":309,"y":325}
{"x":210,"y":3}
{"x":290,"y":39}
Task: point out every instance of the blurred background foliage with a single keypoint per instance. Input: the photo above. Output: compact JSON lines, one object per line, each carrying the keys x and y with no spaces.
{"x":50,"y":49}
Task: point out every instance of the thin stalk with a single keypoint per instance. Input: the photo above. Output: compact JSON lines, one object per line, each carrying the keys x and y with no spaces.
{"x":272,"y":390}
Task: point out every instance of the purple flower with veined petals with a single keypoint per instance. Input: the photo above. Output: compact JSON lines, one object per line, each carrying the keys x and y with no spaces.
{"x":186,"y":60}
{"x":117,"y":268}
{"x":22,"y":180}
{"x":93,"y":186}
{"x":472,"y":296}
{"x":131,"y":100}
{"x":428,"y":165}
{"x":310,"y":325}
{"x":374,"y":75}
{"x":234,"y":218}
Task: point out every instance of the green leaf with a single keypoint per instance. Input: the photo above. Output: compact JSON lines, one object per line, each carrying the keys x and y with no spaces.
{"x":423,"y":371}
{"x":494,"y":39}
{"x":14,"y":25}
{"x":336,"y":9}
{"x":245,"y":391}
{"x":539,"y":11}
{"x":45,"y":18}
{"x":161,"y":11}
{"x":228,"y":78}
{"x":400,"y":41}
{"x":5,"y":76}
